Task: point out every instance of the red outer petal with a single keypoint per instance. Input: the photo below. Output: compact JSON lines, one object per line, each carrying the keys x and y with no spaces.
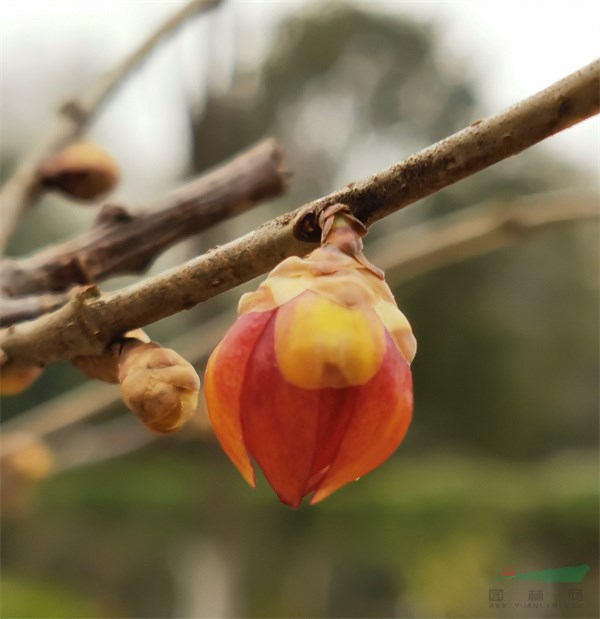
{"x":292,"y":433}
{"x":223,"y":386}
{"x":382,"y":414}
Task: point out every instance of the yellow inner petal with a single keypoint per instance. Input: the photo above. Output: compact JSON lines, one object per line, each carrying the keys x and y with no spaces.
{"x":320,"y":344}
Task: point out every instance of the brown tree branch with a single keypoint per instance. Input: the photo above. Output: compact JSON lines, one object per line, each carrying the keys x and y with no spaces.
{"x":123,"y":241}
{"x":87,"y":324}
{"x":403,"y":255}
{"x":22,"y":189}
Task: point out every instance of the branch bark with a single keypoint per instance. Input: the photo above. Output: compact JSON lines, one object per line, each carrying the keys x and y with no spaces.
{"x":404,"y":255}
{"x":22,"y":189}
{"x":88,"y":323}
{"x":123,"y":241}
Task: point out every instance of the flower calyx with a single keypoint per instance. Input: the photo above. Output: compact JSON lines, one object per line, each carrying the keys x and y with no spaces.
{"x":339,"y":228}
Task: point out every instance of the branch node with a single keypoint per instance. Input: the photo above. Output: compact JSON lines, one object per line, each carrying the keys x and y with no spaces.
{"x":309,"y":225}
{"x":305,"y":226}
{"x":113,"y":214}
{"x":86,"y":293}
{"x":74,"y":111}
{"x":73,"y":271}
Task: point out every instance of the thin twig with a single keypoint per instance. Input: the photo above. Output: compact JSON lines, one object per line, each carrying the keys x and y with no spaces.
{"x":87,"y":324}
{"x":22,"y":189}
{"x":420,"y":249}
{"x":91,"y":445}
{"x":124,"y":241}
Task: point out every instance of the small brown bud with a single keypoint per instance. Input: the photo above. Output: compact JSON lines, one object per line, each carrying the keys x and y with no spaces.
{"x":17,"y":379}
{"x":158,"y":385}
{"x":82,"y":171}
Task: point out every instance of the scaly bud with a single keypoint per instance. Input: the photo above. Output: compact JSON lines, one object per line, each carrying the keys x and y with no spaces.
{"x":313,"y":380}
{"x":82,"y":171}
{"x":158,"y":385}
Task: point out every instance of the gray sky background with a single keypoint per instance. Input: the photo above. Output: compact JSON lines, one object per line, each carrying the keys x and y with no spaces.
{"x":49,"y":49}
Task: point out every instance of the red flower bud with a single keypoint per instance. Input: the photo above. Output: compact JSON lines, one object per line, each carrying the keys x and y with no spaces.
{"x":313,"y":380}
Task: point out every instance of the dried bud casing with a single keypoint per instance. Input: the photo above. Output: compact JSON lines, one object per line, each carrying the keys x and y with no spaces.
{"x":17,"y":379}
{"x":82,"y":171}
{"x":158,"y":385}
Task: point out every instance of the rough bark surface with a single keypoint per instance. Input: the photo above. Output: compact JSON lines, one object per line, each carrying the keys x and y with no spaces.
{"x":89,"y":322}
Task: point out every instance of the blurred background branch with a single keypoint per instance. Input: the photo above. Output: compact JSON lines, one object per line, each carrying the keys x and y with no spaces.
{"x":127,"y":241}
{"x":21,"y":189}
{"x":29,"y":306}
{"x":477,"y":230}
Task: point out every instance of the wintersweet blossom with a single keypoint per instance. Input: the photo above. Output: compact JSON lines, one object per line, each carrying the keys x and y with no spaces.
{"x":313,"y":380}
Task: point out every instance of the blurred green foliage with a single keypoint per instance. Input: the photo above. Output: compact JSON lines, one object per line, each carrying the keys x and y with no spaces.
{"x":427,"y":534}
{"x":499,"y":468}
{"x":21,"y":598}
